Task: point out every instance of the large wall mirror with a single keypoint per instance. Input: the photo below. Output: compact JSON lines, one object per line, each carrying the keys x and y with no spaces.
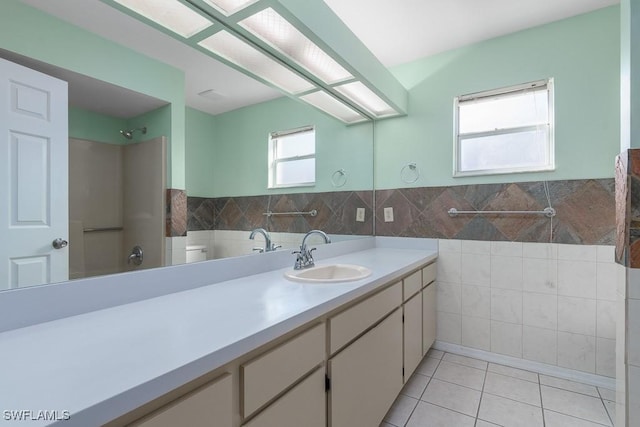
{"x":205,"y":175}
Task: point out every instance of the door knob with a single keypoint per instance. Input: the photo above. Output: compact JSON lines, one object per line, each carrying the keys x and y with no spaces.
{"x":59,"y":243}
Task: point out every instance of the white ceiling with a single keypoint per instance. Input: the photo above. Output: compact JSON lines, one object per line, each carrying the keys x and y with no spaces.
{"x":401,"y":31}
{"x":396,"y":32}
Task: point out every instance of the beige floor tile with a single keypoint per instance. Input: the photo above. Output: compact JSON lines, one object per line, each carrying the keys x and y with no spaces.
{"x":574,"y":404}
{"x":436,"y":354}
{"x":508,"y":412}
{"x":569,"y":385}
{"x":401,"y":410}
{"x":512,"y":388}
{"x":427,"y":366}
{"x":386,"y":424}
{"x":466,"y":361}
{"x":607,"y":394}
{"x":460,"y":374}
{"x":513,"y":372}
{"x":452,"y":396}
{"x":415,"y":386}
{"x":555,"y":419}
{"x":428,"y":415}
{"x":610,"y":405}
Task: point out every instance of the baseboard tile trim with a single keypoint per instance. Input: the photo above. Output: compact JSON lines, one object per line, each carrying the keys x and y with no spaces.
{"x":528,"y":365}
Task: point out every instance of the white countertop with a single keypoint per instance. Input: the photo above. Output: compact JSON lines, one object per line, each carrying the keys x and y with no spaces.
{"x":103,"y":364}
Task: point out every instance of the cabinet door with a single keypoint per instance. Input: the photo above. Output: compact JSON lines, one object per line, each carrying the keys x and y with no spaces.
{"x":366,"y":376}
{"x":412,"y":334}
{"x":428,"y":317}
{"x":303,"y":405}
{"x":209,"y":405}
{"x":271,"y":373}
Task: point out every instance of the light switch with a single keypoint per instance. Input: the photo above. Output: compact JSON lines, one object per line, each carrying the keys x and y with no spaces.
{"x":388,"y":214}
{"x":360,"y":214}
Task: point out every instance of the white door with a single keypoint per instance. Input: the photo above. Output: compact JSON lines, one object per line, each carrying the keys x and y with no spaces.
{"x":34,"y":183}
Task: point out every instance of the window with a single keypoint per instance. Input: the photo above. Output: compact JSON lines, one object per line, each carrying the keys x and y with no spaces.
{"x":292,"y":158}
{"x":505,"y":130}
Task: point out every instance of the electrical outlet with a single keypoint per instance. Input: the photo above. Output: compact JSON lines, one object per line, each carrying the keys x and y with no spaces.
{"x":388,"y":214}
{"x":360,"y":214}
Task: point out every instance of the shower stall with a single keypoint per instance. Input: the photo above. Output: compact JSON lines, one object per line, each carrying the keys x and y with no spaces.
{"x":116,"y":205}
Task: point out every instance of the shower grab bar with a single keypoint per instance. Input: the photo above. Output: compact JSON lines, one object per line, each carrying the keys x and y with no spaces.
{"x":549,"y":212}
{"x":101,"y":229}
{"x":312,"y":213}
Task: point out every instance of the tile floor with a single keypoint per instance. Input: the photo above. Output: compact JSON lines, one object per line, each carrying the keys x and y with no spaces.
{"x":448,"y":390}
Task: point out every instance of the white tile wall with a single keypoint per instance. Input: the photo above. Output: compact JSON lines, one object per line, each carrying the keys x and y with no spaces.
{"x":549,"y":303}
{"x":228,"y":243}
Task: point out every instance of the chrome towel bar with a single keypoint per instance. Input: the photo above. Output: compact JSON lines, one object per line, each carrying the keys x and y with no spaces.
{"x":312,"y":213}
{"x":548,"y":212}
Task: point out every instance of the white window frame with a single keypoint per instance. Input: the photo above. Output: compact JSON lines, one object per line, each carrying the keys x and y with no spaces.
{"x":274,"y":160}
{"x":546,"y":84}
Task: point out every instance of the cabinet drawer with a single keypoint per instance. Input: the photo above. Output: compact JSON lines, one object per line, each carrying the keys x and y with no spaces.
{"x":350,"y":323}
{"x":412,"y":284}
{"x":268,"y":375}
{"x":303,"y":405}
{"x":429,"y":274}
{"x":196,"y":409}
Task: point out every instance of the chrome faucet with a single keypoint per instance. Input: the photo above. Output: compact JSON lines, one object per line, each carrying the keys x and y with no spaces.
{"x":268,"y":246}
{"x":304,"y":257}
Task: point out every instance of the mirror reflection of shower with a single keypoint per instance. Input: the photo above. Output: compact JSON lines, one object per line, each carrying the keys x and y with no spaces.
{"x":129,"y":133}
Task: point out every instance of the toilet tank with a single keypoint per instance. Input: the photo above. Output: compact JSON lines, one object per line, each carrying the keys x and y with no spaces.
{"x":196,"y":253}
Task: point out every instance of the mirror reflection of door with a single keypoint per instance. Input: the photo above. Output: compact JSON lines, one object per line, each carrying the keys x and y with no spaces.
{"x":101,"y":198}
{"x":33,"y":151}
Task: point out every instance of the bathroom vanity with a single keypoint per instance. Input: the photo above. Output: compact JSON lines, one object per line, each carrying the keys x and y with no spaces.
{"x":255,"y":351}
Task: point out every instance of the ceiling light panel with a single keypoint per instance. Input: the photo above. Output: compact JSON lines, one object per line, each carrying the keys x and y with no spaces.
{"x":332,"y":106}
{"x":272,"y":28}
{"x":366,"y":98}
{"x":240,"y":53}
{"x":229,"y":7}
{"x":171,"y":14}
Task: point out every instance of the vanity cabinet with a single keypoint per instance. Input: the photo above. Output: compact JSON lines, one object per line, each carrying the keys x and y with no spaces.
{"x":345,"y":369}
{"x":412,"y":334}
{"x":271,"y":373}
{"x":366,"y":376}
{"x":428,"y":307}
{"x":208,"y":405}
{"x":303,"y":405}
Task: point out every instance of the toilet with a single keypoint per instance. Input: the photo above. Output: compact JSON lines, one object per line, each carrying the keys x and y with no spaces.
{"x":196,"y":253}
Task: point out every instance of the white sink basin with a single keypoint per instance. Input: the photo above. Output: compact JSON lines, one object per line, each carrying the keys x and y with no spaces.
{"x":329,"y":273}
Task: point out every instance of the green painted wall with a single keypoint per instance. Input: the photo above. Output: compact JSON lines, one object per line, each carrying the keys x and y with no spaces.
{"x":239,"y":164}
{"x":581,"y":53}
{"x":200,"y":153}
{"x":92,"y":126}
{"x":35,"y":34}
{"x":629,"y":74}
{"x":157,"y":122}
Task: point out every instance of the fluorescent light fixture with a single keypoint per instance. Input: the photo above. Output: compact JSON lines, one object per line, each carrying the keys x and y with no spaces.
{"x":249,"y":58}
{"x":171,"y":14}
{"x":272,"y":28}
{"x":366,"y":98}
{"x":333,"y":107}
{"x":229,"y":7}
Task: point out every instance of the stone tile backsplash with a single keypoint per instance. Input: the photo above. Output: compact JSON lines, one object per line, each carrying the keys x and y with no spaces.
{"x":585,"y":212}
{"x":336,"y":212}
